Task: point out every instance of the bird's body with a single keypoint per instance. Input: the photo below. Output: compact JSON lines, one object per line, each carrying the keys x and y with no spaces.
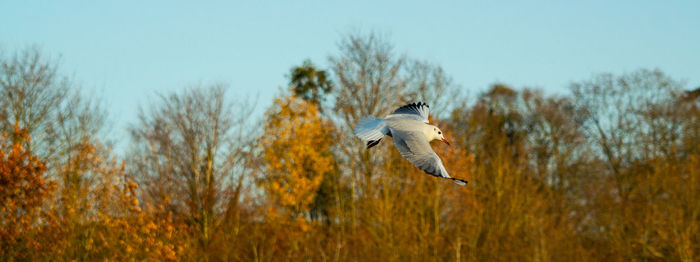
{"x":408,"y":125}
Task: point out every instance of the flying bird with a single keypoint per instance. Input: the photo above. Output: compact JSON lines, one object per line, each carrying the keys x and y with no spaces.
{"x":409,"y":127}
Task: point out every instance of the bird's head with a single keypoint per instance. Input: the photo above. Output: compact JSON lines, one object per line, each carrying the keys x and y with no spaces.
{"x":434,"y":133}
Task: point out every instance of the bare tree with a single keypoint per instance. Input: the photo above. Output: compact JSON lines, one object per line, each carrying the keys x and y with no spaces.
{"x":430,"y":83}
{"x":187,"y":151}
{"x":639,"y":129}
{"x":50,"y":106}
{"x":368,"y":75}
{"x":372,"y":79}
{"x":622,"y":113}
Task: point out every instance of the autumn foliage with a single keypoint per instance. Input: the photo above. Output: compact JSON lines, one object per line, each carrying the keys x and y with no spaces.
{"x":296,"y":150}
{"x":23,"y":190}
{"x":607,"y":172}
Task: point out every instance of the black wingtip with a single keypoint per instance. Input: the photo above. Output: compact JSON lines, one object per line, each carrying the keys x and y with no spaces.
{"x":415,"y":105}
{"x":460,"y":182}
{"x":372,"y":143}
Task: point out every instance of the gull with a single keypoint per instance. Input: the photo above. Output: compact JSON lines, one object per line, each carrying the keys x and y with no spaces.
{"x":409,"y":127}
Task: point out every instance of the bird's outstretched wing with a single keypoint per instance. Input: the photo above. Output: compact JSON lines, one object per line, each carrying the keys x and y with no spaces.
{"x":371,"y":130}
{"x":420,"y":111}
{"x":413,"y":146}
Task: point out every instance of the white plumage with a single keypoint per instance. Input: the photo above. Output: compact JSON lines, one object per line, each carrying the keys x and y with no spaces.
{"x":409,"y":127}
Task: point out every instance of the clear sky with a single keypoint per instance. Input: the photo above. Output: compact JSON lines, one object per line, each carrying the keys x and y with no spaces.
{"x":129,"y":50}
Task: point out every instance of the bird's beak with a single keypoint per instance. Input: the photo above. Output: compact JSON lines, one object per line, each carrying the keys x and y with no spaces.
{"x":445,"y":140}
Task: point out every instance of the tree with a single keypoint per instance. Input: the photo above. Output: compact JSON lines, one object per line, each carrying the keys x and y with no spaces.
{"x":310,"y":83}
{"x":49,"y":106}
{"x":23,"y":190}
{"x":187,"y":152}
{"x":639,"y":129}
{"x":430,"y":83}
{"x":61,"y":121}
{"x":296,"y":152}
{"x":371,"y":78}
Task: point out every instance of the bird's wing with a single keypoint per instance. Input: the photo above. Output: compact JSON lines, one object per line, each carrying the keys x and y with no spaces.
{"x":370,"y":129}
{"x":419,"y":111}
{"x":415,"y":148}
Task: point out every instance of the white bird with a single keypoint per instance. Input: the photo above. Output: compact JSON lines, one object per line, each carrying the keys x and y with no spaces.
{"x":408,"y":125}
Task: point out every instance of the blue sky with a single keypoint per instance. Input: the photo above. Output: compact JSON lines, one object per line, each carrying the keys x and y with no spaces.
{"x":126,"y":51}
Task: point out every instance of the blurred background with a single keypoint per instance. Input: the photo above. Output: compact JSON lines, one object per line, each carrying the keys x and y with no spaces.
{"x":216,"y":131}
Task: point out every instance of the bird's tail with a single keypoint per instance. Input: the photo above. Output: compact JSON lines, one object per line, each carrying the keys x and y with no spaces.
{"x":371,"y":130}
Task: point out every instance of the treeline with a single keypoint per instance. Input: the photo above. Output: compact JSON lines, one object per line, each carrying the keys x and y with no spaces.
{"x":609,"y":171}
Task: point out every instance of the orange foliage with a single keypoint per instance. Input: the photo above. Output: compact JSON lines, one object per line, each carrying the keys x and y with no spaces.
{"x":114,"y":215}
{"x":296,"y":153}
{"x":588,"y":177}
{"x":23,"y":191}
{"x":104,"y":221}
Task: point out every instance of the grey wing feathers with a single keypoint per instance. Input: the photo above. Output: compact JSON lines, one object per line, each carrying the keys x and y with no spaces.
{"x":371,"y":130}
{"x":418,"y":151}
{"x":420,"y":109}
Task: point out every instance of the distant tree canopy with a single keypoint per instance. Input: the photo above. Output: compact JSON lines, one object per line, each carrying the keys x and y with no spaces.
{"x":607,"y":172}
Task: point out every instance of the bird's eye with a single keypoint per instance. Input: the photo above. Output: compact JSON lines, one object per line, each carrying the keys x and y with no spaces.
{"x":439,"y":133}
